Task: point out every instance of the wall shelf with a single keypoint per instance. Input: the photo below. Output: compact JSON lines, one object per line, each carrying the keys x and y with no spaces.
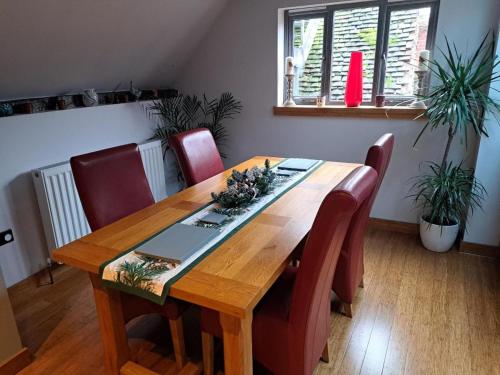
{"x":18,"y":107}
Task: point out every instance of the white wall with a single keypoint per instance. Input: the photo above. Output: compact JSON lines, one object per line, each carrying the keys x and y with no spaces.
{"x":10,"y":342}
{"x":239,"y":54}
{"x":52,"y":47}
{"x":32,"y":141}
{"x":483,"y":226}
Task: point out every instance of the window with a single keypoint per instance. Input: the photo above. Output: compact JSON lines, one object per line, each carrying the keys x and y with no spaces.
{"x":353,"y":30}
{"x":390,"y":34}
{"x":308,"y":35}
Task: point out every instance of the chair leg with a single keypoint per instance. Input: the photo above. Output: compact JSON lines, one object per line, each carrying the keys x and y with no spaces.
{"x":207,"y":343}
{"x":177,"y":332}
{"x":362,"y":283}
{"x":325,"y":357}
{"x":347,"y":309}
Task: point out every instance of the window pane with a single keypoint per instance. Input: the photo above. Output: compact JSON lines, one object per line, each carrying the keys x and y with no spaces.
{"x":353,"y":30}
{"x":407,"y":37}
{"x":308,"y":56}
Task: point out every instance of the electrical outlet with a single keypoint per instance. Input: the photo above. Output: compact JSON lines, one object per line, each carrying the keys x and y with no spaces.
{"x":6,"y":237}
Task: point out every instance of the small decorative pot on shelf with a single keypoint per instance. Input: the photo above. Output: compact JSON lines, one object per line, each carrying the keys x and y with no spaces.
{"x":380,"y":101}
{"x":90,"y":98}
{"x":122,"y":97}
{"x":321,"y":101}
{"x":23,"y":108}
{"x":61,"y":103}
{"x":6,"y":110}
{"x":438,"y":238}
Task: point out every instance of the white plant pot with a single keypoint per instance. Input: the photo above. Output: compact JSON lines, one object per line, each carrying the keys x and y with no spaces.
{"x":436,"y":237}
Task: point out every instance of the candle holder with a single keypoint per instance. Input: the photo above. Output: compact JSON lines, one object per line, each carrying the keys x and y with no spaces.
{"x":289,"y":91}
{"x":418,"y":103}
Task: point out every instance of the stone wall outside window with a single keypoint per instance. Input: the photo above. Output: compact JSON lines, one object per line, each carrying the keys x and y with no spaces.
{"x":356,"y":30}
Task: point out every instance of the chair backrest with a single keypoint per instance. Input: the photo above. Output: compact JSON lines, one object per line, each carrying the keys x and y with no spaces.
{"x":378,"y":157}
{"x":197,"y":154}
{"x":111,"y":183}
{"x":310,"y":306}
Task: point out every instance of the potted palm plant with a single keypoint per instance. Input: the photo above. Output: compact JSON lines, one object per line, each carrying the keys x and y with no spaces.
{"x":445,"y":195}
{"x":186,"y":112}
{"x":458,"y":101}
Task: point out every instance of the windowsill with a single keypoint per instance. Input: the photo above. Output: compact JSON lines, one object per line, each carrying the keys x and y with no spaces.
{"x":391,"y":112}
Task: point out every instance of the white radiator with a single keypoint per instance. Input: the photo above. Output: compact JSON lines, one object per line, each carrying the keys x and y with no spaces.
{"x":60,"y":207}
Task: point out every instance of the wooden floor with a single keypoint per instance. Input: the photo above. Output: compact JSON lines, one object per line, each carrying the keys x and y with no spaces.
{"x":419,"y":313}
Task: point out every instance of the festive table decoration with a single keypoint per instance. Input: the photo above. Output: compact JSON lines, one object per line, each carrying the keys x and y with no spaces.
{"x":244,"y":187}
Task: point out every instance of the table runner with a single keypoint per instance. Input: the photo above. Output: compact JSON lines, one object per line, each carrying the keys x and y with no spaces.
{"x":151,"y":278}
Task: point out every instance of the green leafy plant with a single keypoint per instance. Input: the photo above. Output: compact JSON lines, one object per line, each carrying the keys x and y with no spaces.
{"x":458,"y":100}
{"x":244,"y":187}
{"x":445,"y":195}
{"x":186,"y":112}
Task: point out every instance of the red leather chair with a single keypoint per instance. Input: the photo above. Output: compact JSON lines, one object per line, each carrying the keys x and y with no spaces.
{"x":112,"y":184}
{"x":350,"y":269}
{"x":197,"y":154}
{"x":291,"y":324}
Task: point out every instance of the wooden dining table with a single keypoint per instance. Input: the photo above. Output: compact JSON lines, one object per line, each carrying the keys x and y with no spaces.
{"x":231,"y":280}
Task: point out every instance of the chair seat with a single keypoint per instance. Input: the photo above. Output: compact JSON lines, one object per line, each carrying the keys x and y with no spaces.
{"x":274,"y":306}
{"x":270,"y":322}
{"x":134,"y":306}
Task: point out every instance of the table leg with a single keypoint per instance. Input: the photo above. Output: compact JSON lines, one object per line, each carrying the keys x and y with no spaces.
{"x":237,"y":336}
{"x":112,"y":325}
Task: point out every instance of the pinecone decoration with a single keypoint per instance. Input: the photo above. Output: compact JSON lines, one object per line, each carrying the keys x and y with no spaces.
{"x":244,"y":187}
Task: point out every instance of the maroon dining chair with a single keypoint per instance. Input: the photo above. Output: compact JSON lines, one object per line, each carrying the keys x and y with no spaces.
{"x":350,"y":268}
{"x":112,"y":184}
{"x":197,"y":154}
{"x":291,"y":324}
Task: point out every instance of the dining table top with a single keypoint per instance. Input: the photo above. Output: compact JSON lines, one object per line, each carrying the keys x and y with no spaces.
{"x":234,"y":277}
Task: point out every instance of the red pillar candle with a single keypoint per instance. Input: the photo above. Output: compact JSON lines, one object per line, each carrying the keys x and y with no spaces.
{"x":354,"y":84}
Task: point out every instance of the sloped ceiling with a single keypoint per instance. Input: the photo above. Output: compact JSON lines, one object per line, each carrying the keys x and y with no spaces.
{"x":52,"y":47}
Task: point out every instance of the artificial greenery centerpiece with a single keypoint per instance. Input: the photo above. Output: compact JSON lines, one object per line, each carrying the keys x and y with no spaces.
{"x":244,"y":187}
{"x":187,"y":112}
{"x":457,"y":101}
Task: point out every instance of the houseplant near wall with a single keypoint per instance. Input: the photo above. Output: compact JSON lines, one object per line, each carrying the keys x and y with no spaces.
{"x":186,"y":112}
{"x":458,"y":101}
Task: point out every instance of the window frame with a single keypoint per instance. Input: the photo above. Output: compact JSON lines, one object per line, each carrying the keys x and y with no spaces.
{"x":429,"y":44}
{"x":386,"y":7}
{"x":304,"y":15}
